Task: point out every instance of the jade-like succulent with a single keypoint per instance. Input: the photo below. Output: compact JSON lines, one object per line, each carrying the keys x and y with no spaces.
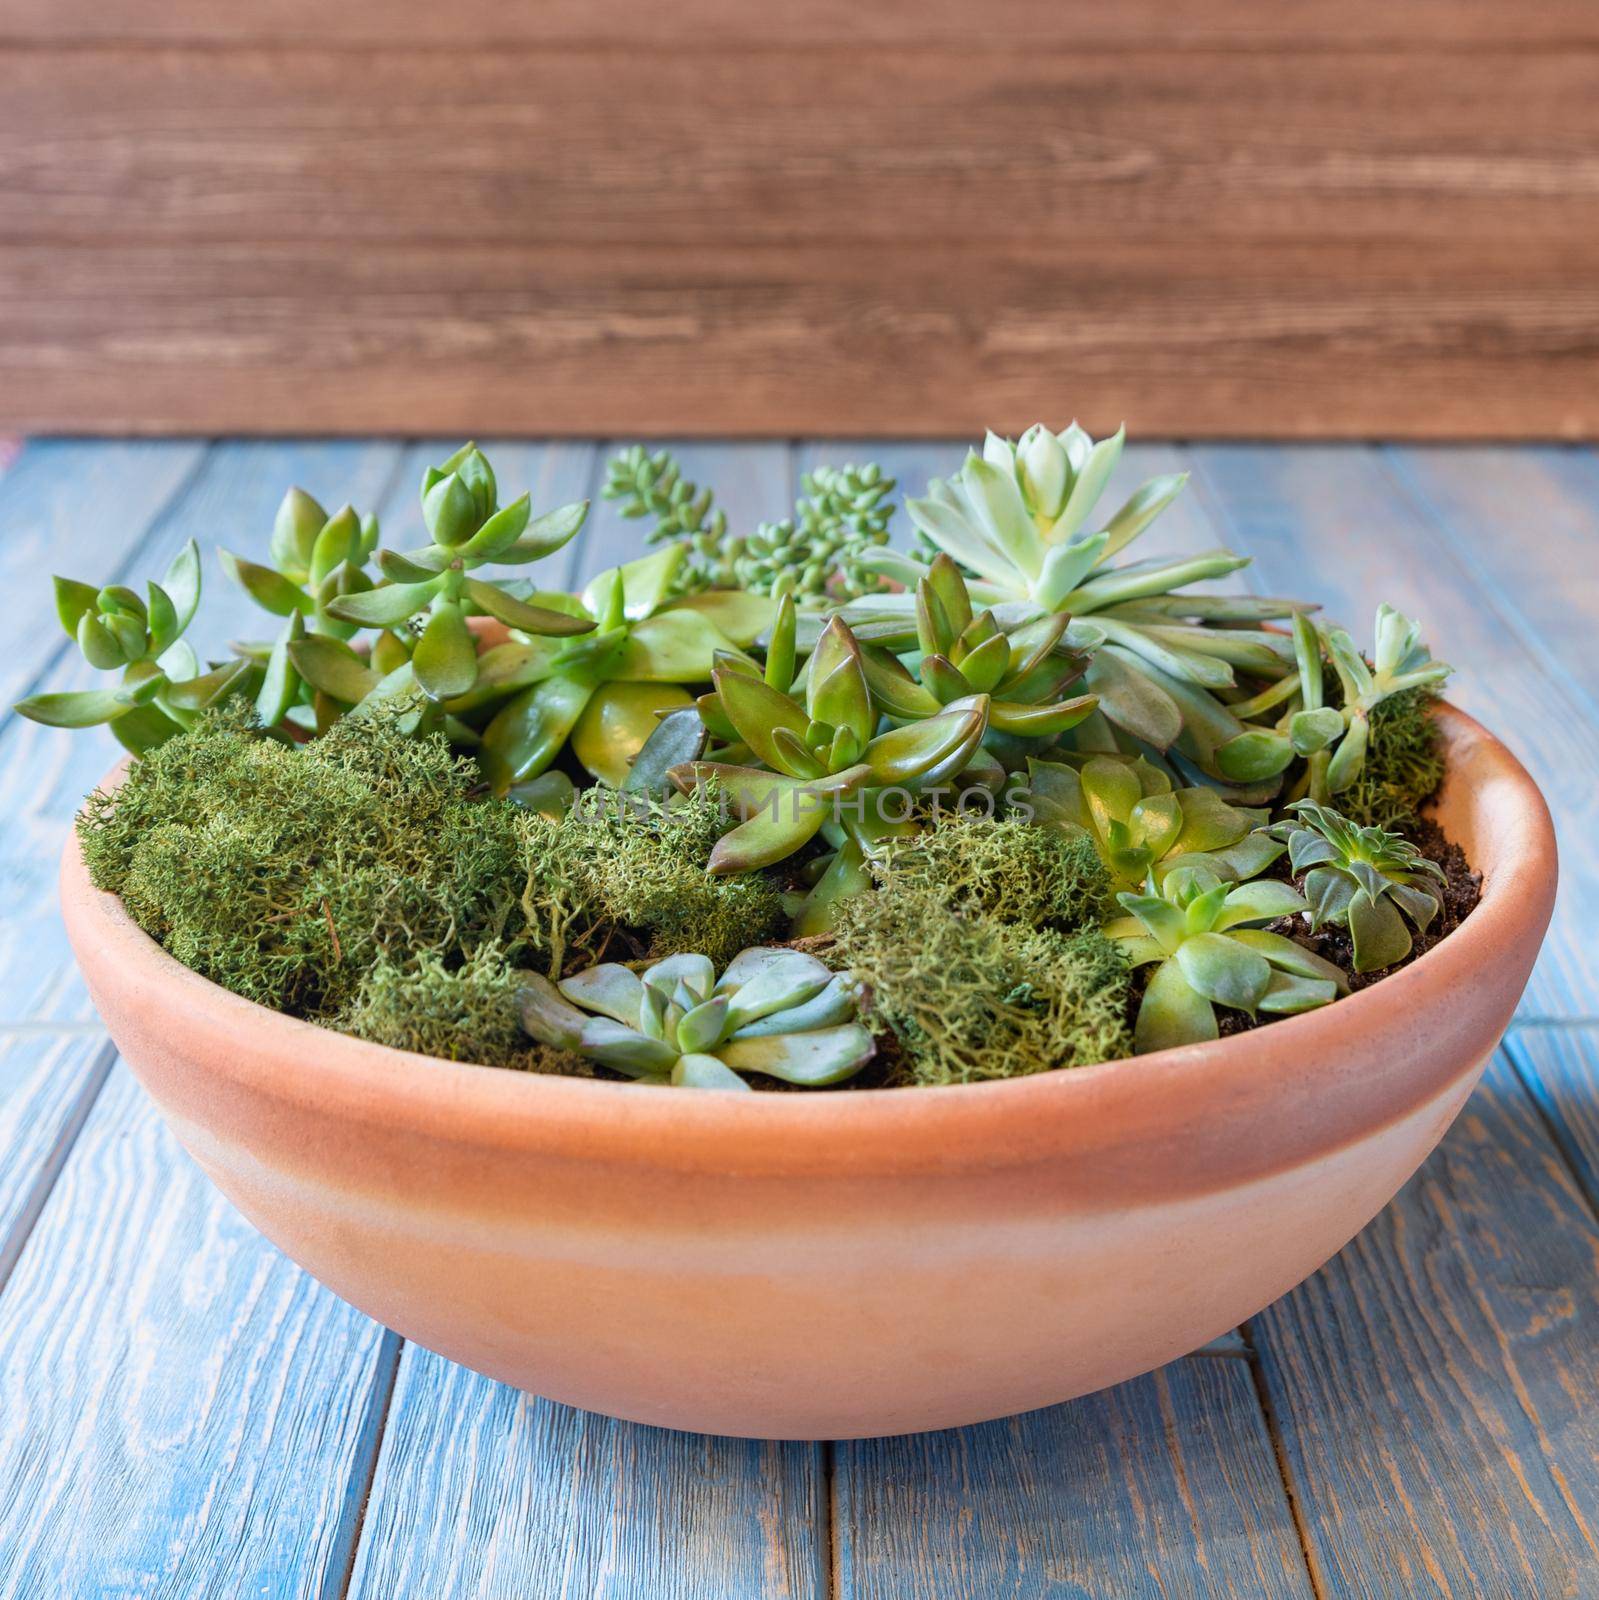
{"x":1143,"y":827}
{"x":607,"y":690}
{"x":1400,"y":661}
{"x":1015,"y":516}
{"x":773,"y":1011}
{"x":1200,"y":930}
{"x":161,"y":690}
{"x":653,"y":485}
{"x":816,"y":553}
{"x":1361,"y":879}
{"x":470,"y":529}
{"x":1023,"y":672}
{"x":820,"y":760}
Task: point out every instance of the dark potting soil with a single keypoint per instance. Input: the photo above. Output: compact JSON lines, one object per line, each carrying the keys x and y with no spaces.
{"x":1459,"y":894}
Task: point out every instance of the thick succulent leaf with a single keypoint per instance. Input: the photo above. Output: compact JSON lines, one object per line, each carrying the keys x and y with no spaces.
{"x":1089,"y":484}
{"x":903,"y":755}
{"x":550,"y":794}
{"x":162,"y":620}
{"x":1172,"y":1013}
{"x":829,"y":1007}
{"x":1264,"y":900}
{"x":688,"y":970}
{"x":445,"y":658}
{"x":703,"y":1026}
{"x":1110,"y":790}
{"x":333,"y":667}
{"x":1419,"y":905}
{"x":1307,"y":848}
{"x":74,"y":601}
{"x":795,"y":757}
{"x":1132,"y":700}
{"x":985,"y":666}
{"x":1140,"y":509}
{"x":756,"y":712}
{"x":788,"y":979}
{"x":1377,"y":931}
{"x":1188,"y":665}
{"x":826,"y":1056}
{"x":892,"y":687}
{"x":1225,"y":973}
{"x":270,"y":590}
{"x":846,"y":875}
{"x":84,"y":708}
{"x":670,"y":647}
{"x":1255,"y":755}
{"x":545,"y":535}
{"x":1267,"y":655}
{"x":1157,"y":820}
{"x":143,"y":729}
{"x":1328,"y":892}
{"x":1056,"y":794}
{"x":1004,"y":517}
{"x":610,"y":989}
{"x":1287,"y":996}
{"x":618,"y":722}
{"x":1290,"y":956}
{"x":1041,"y":722}
{"x":493,"y":601}
{"x":499,"y":533}
{"x":624,"y":1048}
{"x":280,"y":687}
{"x":1208,"y":822}
{"x":696,"y":1071}
{"x":793,"y":817}
{"x":1066,"y":565}
{"x":384,"y":607}
{"x":528,"y":731}
{"x":1157,"y":916}
{"x":953,"y":529}
{"x":1140,"y":579}
{"x":1251,"y":855}
{"x":645,"y":583}
{"x":546,"y":1016}
{"x":1310,"y":731}
{"x":737,"y":615}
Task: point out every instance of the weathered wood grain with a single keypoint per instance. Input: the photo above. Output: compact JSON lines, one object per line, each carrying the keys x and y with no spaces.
{"x":73,"y":507}
{"x":748,"y":234}
{"x":482,"y":1493}
{"x":182,"y":1410}
{"x":1433,"y":1384}
{"x":1560,"y":1068}
{"x":45,"y":772}
{"x":1162,"y":1486}
{"x":47,"y":1084}
{"x":1526,"y":524}
{"x":1440,"y":26}
{"x":1327,"y":524}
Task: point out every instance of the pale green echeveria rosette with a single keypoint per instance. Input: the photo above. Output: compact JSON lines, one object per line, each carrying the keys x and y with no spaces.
{"x":1364,"y":879}
{"x":160,"y":690}
{"x":1015,"y":517}
{"x":797,"y":765}
{"x":1204,"y":936}
{"x":606,"y":692}
{"x":1141,"y":826}
{"x":776,"y":1012}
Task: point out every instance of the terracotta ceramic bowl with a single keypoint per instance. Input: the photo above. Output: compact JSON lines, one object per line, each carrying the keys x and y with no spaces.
{"x":846,"y":1263}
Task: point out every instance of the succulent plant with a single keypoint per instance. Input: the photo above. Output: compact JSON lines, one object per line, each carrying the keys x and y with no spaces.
{"x":1200,"y":931}
{"x":161,"y":689}
{"x":470,"y":529}
{"x":1143,"y":827}
{"x":820,"y":761}
{"x":774,"y":1011}
{"x":816,"y":553}
{"x":1023,"y":672}
{"x":1361,"y":879}
{"x":606,"y":691}
{"x":1401,"y":661}
{"x":652,"y":485}
{"x":1014,"y":518}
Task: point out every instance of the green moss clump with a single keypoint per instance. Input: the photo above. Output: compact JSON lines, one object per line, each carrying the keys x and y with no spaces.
{"x":981,"y":954}
{"x":1404,"y":765}
{"x":465,"y":1013}
{"x":1011,"y":870}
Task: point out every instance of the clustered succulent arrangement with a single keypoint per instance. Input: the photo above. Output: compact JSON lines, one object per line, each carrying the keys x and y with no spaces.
{"x":785,"y":806}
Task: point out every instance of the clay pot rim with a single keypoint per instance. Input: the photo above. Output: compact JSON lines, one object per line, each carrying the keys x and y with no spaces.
{"x":1135,"y":1101}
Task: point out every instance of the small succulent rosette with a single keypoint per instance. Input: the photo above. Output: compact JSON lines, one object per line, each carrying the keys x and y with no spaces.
{"x":774,"y":1011}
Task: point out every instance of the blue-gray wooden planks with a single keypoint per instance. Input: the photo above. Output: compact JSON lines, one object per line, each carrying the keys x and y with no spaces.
{"x":184,"y":1413}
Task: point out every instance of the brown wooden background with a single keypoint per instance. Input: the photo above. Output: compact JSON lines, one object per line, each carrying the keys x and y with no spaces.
{"x":1368,"y":217}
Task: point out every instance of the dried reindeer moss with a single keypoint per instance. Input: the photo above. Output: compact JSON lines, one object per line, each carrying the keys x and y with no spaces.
{"x":1404,"y":765}
{"x":980,"y":953}
{"x":364,"y":880}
